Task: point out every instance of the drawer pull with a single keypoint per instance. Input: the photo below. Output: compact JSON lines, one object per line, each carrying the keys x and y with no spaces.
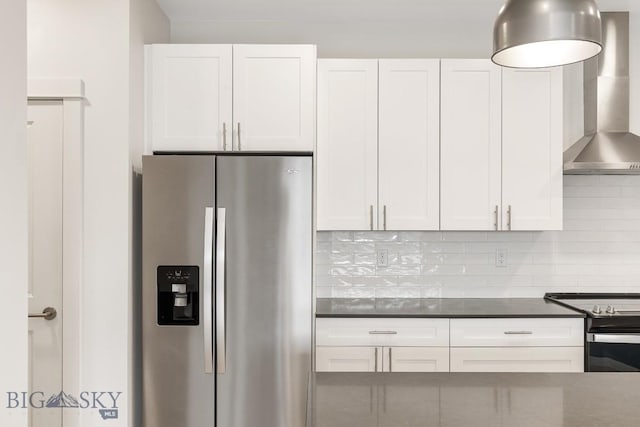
{"x":383,"y":333}
{"x":518,"y":333}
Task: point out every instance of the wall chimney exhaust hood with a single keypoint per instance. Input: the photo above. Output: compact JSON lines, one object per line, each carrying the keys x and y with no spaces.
{"x":608,"y":148}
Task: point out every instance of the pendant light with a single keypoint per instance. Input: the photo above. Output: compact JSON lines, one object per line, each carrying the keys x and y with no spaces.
{"x":546,"y":33}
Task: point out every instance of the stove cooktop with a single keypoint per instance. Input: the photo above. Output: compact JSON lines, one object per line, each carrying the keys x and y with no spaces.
{"x":598,"y":305}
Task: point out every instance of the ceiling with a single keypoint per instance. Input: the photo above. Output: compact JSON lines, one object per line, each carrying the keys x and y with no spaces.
{"x":338,"y":10}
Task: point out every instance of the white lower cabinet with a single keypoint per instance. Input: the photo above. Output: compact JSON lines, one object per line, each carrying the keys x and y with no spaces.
{"x":415,"y":359}
{"x":450,"y":345}
{"x":347,"y":359}
{"x":382,"y":359}
{"x":517,"y":359}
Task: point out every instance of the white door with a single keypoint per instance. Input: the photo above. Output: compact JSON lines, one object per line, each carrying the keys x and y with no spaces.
{"x":274,"y":97}
{"x":347,"y":152}
{"x":532,"y":149}
{"x":415,"y":359}
{"x":190,"y":102}
{"x":470,"y":136}
{"x":517,"y":359}
{"x":348,"y":359}
{"x":409,"y":144}
{"x":45,"y":139}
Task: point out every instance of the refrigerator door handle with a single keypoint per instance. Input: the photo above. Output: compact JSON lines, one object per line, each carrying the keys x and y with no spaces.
{"x":208,"y":290}
{"x":221,"y":330}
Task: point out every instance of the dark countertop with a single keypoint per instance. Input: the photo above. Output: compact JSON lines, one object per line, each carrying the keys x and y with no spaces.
{"x":441,"y":307}
{"x":474,"y":400}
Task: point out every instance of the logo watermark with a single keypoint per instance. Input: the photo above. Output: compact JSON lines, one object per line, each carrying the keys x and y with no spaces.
{"x":106,"y":402}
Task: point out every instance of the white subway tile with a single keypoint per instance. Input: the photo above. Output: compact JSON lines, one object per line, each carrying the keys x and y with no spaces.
{"x":623,"y":180}
{"x":376,"y":236}
{"x":397,"y":293}
{"x":342,"y":236}
{"x":364,"y":258}
{"x":353,"y":293}
{"x":420,"y":236}
{"x":323,"y":292}
{"x":352,"y":271}
{"x":464,"y":236}
{"x":511,"y":236}
{"x":398,"y":270}
{"x":324,"y":236}
{"x":588,"y":180}
{"x":442,"y":247}
{"x":599,"y":192}
{"x":399,"y":247}
{"x":440,"y":270}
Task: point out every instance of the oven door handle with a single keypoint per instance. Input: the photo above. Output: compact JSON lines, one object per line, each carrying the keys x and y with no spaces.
{"x":614,"y":338}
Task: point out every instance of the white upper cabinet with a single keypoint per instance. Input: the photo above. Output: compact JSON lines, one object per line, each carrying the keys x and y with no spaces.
{"x":224,"y":97}
{"x":274,"y":97}
{"x":501,"y":147}
{"x":347,"y":157}
{"x":409,"y":146}
{"x":532,"y":133}
{"x":470,"y":131}
{"x":190,"y":97}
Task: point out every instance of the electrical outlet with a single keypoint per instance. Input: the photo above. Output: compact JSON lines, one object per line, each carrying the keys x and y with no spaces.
{"x":383,"y":257}
{"x":501,"y":258}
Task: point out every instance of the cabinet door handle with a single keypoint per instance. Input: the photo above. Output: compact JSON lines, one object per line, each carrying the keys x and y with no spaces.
{"x":509,"y":218}
{"x":518,"y":332}
{"x":375,"y":354}
{"x":224,"y":137}
{"x":383,"y":332}
{"x":384,"y":217}
{"x":371,"y":217}
{"x":390,"y":369}
{"x":495,"y":218}
{"x":239,"y":140}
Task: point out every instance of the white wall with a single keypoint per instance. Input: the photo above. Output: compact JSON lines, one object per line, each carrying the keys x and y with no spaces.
{"x":89,"y":40}
{"x":13,"y":207}
{"x":100,"y":42}
{"x":598,"y":251}
{"x":148,"y":24}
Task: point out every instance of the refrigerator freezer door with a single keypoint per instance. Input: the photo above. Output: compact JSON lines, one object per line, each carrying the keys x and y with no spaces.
{"x":178,"y":202}
{"x":268,"y":202}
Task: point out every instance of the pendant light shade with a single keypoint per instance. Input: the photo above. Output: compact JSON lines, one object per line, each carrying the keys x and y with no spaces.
{"x":546,"y":33}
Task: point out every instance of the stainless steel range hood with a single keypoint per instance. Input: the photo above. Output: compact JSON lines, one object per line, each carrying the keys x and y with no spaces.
{"x":608,"y":147}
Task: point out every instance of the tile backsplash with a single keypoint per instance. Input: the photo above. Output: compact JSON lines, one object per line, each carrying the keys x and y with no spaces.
{"x":598,"y":251}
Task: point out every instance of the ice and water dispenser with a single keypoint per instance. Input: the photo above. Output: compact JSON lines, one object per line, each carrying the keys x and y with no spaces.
{"x":178,"y":295}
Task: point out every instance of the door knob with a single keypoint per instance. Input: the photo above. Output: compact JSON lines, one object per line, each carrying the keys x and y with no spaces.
{"x":49,"y":313}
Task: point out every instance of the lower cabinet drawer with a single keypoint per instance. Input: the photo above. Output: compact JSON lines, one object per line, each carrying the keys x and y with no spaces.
{"x":517,"y":359}
{"x":517,"y":332}
{"x":382,"y":332}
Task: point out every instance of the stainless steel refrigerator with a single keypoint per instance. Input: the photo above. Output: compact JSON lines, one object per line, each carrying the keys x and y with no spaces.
{"x":227,"y":290}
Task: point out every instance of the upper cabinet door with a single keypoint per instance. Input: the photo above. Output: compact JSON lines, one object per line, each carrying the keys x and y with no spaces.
{"x":409,"y":144}
{"x":274,"y":97}
{"x":347,"y":157}
{"x":190,"y":99}
{"x":470,"y":144}
{"x":532,"y":149}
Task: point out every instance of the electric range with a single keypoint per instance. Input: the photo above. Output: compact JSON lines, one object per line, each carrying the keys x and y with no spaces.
{"x":612,"y":329}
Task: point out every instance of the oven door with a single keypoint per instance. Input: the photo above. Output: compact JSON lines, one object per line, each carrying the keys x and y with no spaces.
{"x":610,"y":352}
